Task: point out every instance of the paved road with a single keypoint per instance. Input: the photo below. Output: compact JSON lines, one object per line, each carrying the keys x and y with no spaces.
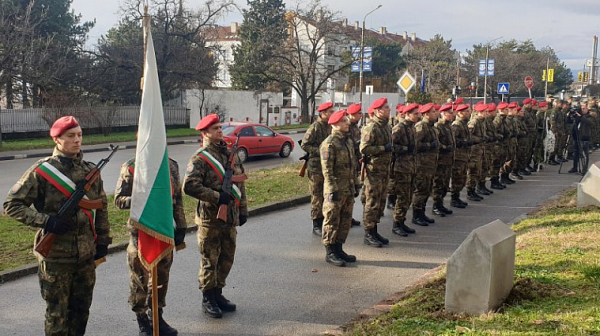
{"x":12,"y":170}
{"x":280,"y":280}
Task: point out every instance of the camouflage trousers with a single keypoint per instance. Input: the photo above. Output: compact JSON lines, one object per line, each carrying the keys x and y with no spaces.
{"x":486,"y":162}
{"x":375,"y":193}
{"x":531,"y":135}
{"x":67,"y":290}
{"x":403,"y":188}
{"x":316,"y":195}
{"x":538,"y":151}
{"x":498,"y":159}
{"x":474,"y":169}
{"x":560,"y":144}
{"x":511,"y":156}
{"x":338,"y":219}
{"x":423,"y":187}
{"x":140,"y":282}
{"x":217,"y":251}
{"x":459,"y":176}
{"x":522,"y":149}
{"x":441,"y":182}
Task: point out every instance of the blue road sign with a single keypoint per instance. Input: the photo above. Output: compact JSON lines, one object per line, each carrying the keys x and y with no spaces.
{"x":503,"y":88}
{"x":490,"y":67}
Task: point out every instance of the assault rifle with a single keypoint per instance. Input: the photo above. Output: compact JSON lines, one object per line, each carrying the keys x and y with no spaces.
{"x":229,"y":179}
{"x":364,"y":161}
{"x":76,"y":200}
{"x":305,"y":164}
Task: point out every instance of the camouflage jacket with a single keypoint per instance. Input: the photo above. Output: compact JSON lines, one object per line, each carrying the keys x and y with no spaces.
{"x":33,"y":189}
{"x":522,"y":128}
{"x":313,"y":138}
{"x":447,"y":143}
{"x":462,"y":137}
{"x":501,"y":130}
{"x":203,"y":183}
{"x":512,"y":126}
{"x":491,"y":132}
{"x":478,"y":135}
{"x":374,"y":136}
{"x":355,"y":137}
{"x":404,"y":139}
{"x":558,"y":121}
{"x":530,"y":120}
{"x":339,"y":164}
{"x":125,"y":185}
{"x":426,"y":156}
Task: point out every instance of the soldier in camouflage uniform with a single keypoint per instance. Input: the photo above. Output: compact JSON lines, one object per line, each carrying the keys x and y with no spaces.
{"x":441,"y":181}
{"x":511,"y":150}
{"x":528,"y":107}
{"x":522,"y":143}
{"x":489,"y":150}
{"x":314,"y":136}
{"x":67,"y":274}
{"x":341,"y":186}
{"x":463,"y":141}
{"x":427,"y":146}
{"x":376,"y":146}
{"x":553,"y":114}
{"x":355,"y":115}
{"x":498,"y":150}
{"x":216,"y":238}
{"x":140,"y":294}
{"x":391,"y":194}
{"x":540,"y":121}
{"x":403,"y":138}
{"x":478,"y":136}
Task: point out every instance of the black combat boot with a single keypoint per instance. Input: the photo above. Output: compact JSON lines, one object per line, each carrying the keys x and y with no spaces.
{"x":318,"y":227}
{"x":163,"y":327}
{"x":505,"y":180}
{"x":144,"y":324}
{"x":397,"y":229}
{"x":210,"y":305}
{"x":355,"y":222}
{"x":573,"y":170}
{"x":445,"y":210}
{"x":553,"y":161}
{"x":342,"y":254}
{"x":456,"y":202}
{"x":515,"y":174}
{"x":391,"y":201}
{"x":370,"y":238}
{"x":472,"y":196}
{"x":383,"y":240}
{"x":222,"y":302}
{"x":332,"y":257}
{"x":437,"y":210}
{"x":496,"y":183}
{"x":427,"y":219}
{"x":481,"y":189}
{"x":418,"y":218}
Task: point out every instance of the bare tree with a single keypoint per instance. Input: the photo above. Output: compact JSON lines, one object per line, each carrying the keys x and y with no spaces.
{"x":437,"y":61}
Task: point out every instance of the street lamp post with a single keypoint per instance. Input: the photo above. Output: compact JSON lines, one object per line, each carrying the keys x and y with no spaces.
{"x":485,"y":75}
{"x":362,"y":50}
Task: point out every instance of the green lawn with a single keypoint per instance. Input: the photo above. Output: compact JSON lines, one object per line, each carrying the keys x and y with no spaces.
{"x":263,"y":186}
{"x":556,"y":291}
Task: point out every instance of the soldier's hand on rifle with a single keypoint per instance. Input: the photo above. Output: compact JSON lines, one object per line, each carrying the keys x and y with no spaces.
{"x":101,"y":251}
{"x":387,"y":148}
{"x":243,"y":219}
{"x":179,"y":236}
{"x":334,"y":196}
{"x":224,"y":198}
{"x":485,"y":138}
{"x":433,"y":144}
{"x":58,"y":226}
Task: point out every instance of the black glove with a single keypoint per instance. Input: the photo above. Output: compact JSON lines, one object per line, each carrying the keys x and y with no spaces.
{"x":179,"y":236}
{"x":101,"y":251}
{"x":449,"y":148}
{"x":470,"y":142}
{"x":433,"y":144}
{"x":411,"y":148}
{"x":388,"y":147}
{"x":422,"y":148}
{"x":485,"y":138}
{"x":223,"y":198}
{"x":243,"y":220}
{"x":58,"y":226}
{"x":334,"y":196}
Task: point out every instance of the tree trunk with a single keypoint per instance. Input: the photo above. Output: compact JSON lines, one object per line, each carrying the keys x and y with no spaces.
{"x":304,"y":108}
{"x":24,"y":95}
{"x":9,"y":94}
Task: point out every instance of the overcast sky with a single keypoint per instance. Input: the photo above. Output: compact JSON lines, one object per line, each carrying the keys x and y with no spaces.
{"x":566,"y":25}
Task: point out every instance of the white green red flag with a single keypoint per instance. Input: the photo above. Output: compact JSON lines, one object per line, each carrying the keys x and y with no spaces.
{"x":151,"y":202}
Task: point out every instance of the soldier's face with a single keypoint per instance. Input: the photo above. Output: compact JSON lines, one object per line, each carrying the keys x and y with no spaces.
{"x":448,"y":115}
{"x":384,"y":111}
{"x":354,"y":118}
{"x":343,"y":125}
{"x":70,"y":141}
{"x":326,"y":114}
{"x":414,"y":116}
{"x":214,"y":133}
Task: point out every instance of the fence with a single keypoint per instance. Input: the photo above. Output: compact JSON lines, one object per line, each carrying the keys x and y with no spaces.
{"x":101,"y":118}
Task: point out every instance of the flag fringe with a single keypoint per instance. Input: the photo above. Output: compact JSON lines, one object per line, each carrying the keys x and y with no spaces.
{"x":148,"y":266}
{"x":151,"y":232}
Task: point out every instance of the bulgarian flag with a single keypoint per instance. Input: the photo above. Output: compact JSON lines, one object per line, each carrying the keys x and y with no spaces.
{"x":151,"y":203}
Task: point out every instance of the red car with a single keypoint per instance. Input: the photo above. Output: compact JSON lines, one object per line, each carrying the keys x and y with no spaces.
{"x":256,"y":139}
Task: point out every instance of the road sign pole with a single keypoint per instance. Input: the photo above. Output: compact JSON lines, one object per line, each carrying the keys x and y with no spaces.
{"x":530,"y":93}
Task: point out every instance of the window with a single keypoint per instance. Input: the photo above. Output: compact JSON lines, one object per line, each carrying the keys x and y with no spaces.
{"x":246,"y":131}
{"x":331,"y":68}
{"x":263,"y":131}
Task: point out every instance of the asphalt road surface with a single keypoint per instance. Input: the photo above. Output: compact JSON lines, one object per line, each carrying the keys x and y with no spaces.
{"x":280,"y":280}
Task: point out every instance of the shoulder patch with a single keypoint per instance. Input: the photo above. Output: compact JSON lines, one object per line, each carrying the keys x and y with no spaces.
{"x":15,"y":189}
{"x":325,"y":153}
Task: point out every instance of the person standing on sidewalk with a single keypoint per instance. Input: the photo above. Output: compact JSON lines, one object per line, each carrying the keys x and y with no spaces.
{"x":340,"y":187}
{"x":140,"y":293}
{"x":216,"y":238}
{"x":67,"y":274}
{"x":462,"y":137}
{"x":313,"y":138}
{"x":441,"y":181}
{"x":376,"y":147}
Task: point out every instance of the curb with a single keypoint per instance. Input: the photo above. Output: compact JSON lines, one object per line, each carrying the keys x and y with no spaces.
{"x":19,"y":272}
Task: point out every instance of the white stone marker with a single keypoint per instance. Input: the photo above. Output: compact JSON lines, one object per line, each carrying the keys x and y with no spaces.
{"x":588,"y":190}
{"x":481,"y":271}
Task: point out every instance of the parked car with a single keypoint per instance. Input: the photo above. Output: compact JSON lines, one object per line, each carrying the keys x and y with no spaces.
{"x":256,"y":139}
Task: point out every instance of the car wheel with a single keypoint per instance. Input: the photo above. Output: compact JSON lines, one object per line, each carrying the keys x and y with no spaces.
{"x":286,"y":150}
{"x":242,"y":154}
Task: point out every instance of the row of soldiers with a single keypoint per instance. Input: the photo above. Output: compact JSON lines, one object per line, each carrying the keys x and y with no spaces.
{"x":427,"y":150}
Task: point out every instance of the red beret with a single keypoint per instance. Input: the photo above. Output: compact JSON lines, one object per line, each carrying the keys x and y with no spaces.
{"x":399,"y":108}
{"x":379,"y":103}
{"x":205,"y":122}
{"x":491,"y":107}
{"x":481,"y":107}
{"x":462,"y":107}
{"x":446,"y":107}
{"x":543,"y":104}
{"x":62,"y":124}
{"x":325,"y":106}
{"x":354,"y":108}
{"x":370,"y":110}
{"x":534,"y":102}
{"x":426,"y":108}
{"x":513,"y":105}
{"x":502,"y":106}
{"x":526,"y":101}
{"x":437,"y":107}
{"x":410,"y":107}
{"x":337,"y":116}
{"x":518,"y":109}
{"x":459,"y":101}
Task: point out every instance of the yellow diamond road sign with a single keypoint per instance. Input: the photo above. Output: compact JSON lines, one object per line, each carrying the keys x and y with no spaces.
{"x":406,"y":82}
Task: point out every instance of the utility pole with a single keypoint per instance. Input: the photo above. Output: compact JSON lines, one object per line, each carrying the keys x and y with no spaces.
{"x":594,"y":56}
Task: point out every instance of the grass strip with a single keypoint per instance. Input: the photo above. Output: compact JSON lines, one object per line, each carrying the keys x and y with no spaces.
{"x":262,"y":187}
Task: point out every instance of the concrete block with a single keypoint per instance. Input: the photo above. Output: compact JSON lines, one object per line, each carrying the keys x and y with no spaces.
{"x":588,"y":190}
{"x":481,"y":271}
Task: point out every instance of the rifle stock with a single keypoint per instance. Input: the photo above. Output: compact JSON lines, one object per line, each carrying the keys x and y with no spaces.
{"x":45,"y":244}
{"x":305,"y":164}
